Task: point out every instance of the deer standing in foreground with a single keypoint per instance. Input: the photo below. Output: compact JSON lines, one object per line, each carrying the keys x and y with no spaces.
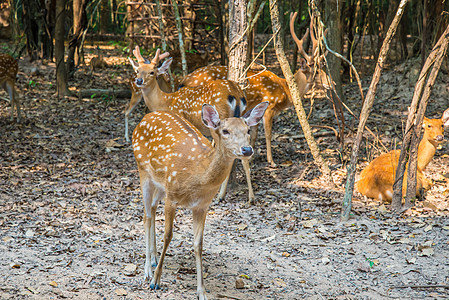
{"x":178,"y":164}
{"x":225,"y":95}
{"x":377,"y":179}
{"x":266,"y":86}
{"x":8,"y":72}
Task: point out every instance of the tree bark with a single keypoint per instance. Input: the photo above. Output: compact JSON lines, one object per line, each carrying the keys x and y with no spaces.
{"x":180,"y":38}
{"x":238,"y":41}
{"x":297,"y":101}
{"x":367,"y":106}
{"x":61,"y":74}
{"x":79,"y":27}
{"x":105,"y":16}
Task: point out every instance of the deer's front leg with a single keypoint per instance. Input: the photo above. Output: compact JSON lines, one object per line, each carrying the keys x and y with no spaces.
{"x":199,"y":218}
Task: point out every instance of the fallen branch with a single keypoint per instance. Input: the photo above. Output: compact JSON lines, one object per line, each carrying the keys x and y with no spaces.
{"x":95,"y":93}
{"x":428,"y":286}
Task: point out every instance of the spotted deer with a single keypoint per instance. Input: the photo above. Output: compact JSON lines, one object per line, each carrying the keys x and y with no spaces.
{"x":136,"y":93}
{"x":377,"y":179}
{"x":178,"y":164}
{"x":226,"y":96}
{"x":8,"y":72}
{"x":266,"y":86}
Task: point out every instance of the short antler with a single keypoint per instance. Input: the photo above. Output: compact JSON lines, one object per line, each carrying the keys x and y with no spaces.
{"x":299,"y":42}
{"x":158,"y":57}
{"x":137,"y":54}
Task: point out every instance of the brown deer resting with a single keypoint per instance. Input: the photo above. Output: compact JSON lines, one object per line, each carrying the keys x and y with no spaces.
{"x":266,"y":86}
{"x":377,"y":179}
{"x":8,"y":72}
{"x":178,"y":164}
{"x":225,"y":95}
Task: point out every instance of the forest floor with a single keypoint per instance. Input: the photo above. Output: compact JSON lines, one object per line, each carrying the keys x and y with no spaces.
{"x":71,"y":211}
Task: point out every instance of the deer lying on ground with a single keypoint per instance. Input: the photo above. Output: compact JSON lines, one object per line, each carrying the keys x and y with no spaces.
{"x":225,"y":95}
{"x":266,"y":86}
{"x":178,"y":164}
{"x":8,"y":72}
{"x":377,"y":179}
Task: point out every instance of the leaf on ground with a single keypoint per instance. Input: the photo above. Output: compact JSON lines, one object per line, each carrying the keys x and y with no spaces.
{"x":53,"y":283}
{"x":121,"y":292}
{"x":279,"y":282}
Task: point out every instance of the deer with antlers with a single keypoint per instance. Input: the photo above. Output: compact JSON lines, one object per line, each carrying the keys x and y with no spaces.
{"x":266,"y":86}
{"x":226,"y":96}
{"x":178,"y":164}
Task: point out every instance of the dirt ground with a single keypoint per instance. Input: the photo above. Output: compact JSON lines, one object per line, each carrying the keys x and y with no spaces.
{"x":71,"y":212}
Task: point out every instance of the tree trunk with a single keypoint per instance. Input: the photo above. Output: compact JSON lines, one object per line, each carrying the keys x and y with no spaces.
{"x":105,"y":16}
{"x":367,"y":106}
{"x":79,"y":27}
{"x":61,"y":74}
{"x":238,"y":41}
{"x":279,"y":47}
{"x":180,"y":38}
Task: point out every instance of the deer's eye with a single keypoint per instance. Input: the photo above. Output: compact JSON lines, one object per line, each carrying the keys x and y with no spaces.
{"x":430,"y":126}
{"x":225,"y":132}
{"x":152,"y":73}
{"x":249,"y":131}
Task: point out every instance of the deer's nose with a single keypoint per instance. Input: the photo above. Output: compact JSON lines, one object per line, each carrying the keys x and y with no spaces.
{"x":247,"y":151}
{"x":139,"y":81}
{"x":439,"y":138}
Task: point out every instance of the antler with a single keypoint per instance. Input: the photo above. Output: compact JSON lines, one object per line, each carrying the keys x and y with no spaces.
{"x":299,"y":42}
{"x":158,"y":57}
{"x":137,"y":54}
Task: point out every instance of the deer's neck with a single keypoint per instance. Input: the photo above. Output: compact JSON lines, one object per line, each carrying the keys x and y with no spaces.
{"x":154,"y":97}
{"x":301,"y":82}
{"x":426,"y":151}
{"x":217,"y":165}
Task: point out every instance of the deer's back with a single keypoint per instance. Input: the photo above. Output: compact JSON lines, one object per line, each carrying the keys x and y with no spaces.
{"x":8,"y":67}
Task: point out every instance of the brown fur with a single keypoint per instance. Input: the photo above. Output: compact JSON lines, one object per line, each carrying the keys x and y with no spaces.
{"x":377,"y":179}
{"x":178,"y":164}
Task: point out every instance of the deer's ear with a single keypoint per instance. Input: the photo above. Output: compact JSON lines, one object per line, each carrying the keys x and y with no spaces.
{"x":210,"y":116}
{"x":134,"y":64}
{"x":254,"y":116}
{"x":164,"y":68}
{"x":445,"y":117}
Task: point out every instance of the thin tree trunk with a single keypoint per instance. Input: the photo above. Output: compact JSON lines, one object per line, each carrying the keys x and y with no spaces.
{"x":367,"y":106}
{"x":180,"y":38}
{"x":412,"y":131}
{"x":238,"y":41}
{"x":79,"y":26}
{"x":297,"y":101}
{"x":61,"y":74}
{"x":163,"y":39}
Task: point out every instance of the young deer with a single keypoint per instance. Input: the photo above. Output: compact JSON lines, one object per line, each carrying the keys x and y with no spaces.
{"x":266,"y":86}
{"x":377,"y":179}
{"x":178,"y":164}
{"x":8,"y":72}
{"x":225,"y":95}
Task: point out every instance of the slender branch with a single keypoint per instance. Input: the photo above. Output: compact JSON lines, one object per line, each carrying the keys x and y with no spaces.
{"x":367,"y":106}
{"x":297,"y":101}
